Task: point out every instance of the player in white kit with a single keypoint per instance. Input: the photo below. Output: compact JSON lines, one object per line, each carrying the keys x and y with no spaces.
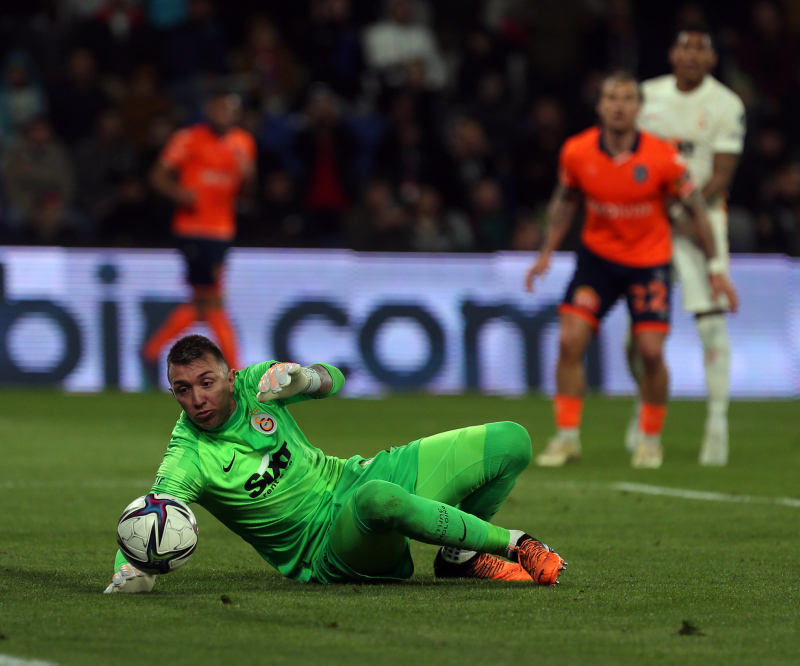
{"x":706,"y":120}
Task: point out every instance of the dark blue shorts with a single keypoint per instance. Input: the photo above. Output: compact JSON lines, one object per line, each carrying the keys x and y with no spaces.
{"x":204,"y":259}
{"x":598,"y":283}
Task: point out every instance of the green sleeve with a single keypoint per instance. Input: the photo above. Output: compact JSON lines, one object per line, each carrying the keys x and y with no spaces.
{"x":120,"y":560}
{"x":178,"y":475}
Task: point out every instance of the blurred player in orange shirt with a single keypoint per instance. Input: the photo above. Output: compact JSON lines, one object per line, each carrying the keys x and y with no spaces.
{"x":202,"y":169}
{"x":624,"y":177}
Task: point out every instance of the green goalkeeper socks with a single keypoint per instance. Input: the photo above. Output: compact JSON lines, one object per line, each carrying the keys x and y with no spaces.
{"x":381,"y":506}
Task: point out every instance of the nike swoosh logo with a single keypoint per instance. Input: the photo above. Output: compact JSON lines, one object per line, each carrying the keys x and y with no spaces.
{"x":228,"y":468}
{"x":465,"y":531}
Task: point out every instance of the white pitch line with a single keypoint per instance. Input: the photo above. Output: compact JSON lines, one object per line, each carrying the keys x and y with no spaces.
{"x":5,"y":660}
{"x":684,"y":493}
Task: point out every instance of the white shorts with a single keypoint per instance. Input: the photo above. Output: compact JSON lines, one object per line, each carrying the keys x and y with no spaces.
{"x":691,"y":266}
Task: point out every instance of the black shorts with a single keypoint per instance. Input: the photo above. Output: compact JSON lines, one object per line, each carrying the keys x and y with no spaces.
{"x":598,"y":283}
{"x":204,"y":258}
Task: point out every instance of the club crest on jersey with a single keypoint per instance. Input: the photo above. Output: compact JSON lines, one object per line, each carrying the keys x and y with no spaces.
{"x":640,"y":174}
{"x":263,"y":423}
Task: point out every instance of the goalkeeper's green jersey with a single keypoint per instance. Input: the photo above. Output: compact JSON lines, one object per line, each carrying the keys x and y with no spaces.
{"x":258,"y":474}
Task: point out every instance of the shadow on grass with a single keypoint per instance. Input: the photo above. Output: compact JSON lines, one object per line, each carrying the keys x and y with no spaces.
{"x":24,"y":582}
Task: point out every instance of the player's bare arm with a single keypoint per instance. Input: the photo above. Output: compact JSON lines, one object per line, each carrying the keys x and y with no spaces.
{"x":164,"y":179}
{"x":326,"y":381}
{"x":695,"y":202}
{"x":724,"y":169}
{"x":720,"y":284}
{"x":560,"y":213}
{"x":249,"y":175}
{"x":249,"y":172}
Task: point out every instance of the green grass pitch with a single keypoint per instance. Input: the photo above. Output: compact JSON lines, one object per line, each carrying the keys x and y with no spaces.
{"x":652,"y":579}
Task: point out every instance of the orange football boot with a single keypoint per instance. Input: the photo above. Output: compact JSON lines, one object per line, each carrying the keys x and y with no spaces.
{"x":480,"y":565}
{"x":539,"y":560}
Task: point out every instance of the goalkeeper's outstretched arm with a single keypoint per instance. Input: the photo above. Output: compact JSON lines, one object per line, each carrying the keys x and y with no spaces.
{"x":127,"y":578}
{"x":286,"y":380}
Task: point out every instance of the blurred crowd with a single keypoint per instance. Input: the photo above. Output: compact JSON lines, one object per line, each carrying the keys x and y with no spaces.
{"x":396,"y":125}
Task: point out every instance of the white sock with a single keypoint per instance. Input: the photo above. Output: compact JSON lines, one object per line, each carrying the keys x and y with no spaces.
{"x":456,"y":555}
{"x":516,"y":535}
{"x":717,"y":361}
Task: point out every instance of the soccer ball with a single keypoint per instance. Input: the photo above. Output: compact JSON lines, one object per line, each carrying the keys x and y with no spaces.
{"x":157,"y":533}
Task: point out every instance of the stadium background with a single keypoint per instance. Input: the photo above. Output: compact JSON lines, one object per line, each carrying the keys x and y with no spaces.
{"x":447,"y":119}
{"x":681,"y":565}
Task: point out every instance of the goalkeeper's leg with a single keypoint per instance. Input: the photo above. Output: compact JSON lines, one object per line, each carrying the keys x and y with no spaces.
{"x":370,"y":533}
{"x":369,"y":537}
{"x":474,"y":467}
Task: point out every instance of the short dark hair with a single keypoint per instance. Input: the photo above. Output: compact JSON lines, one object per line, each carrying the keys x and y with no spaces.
{"x":694,"y":26}
{"x":192,"y":348}
{"x":622,"y":76}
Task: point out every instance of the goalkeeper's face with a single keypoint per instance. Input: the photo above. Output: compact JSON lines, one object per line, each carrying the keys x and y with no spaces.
{"x":204,"y":388}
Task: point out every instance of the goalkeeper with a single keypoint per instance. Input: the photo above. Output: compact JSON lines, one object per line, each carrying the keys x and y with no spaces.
{"x":237,"y":451}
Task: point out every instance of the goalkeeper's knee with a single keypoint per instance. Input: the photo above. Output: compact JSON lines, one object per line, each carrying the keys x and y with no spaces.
{"x":379,"y":505}
{"x":508,"y":446}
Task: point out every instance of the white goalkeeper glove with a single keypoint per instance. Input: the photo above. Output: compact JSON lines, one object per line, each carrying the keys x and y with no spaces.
{"x":284,"y":380}
{"x":130,"y":580}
